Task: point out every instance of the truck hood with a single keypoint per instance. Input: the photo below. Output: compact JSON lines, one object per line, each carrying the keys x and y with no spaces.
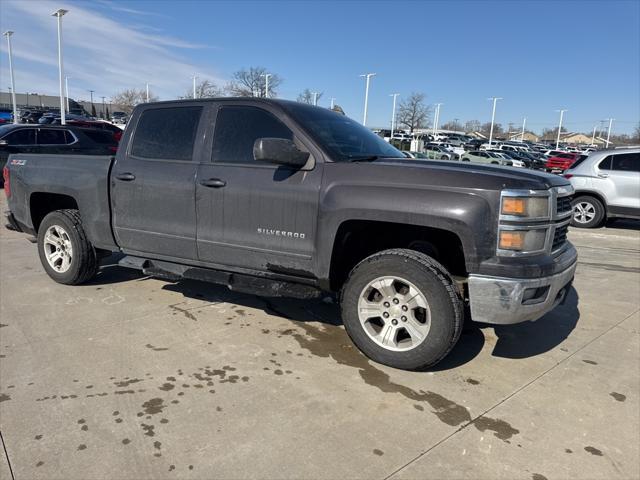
{"x":462,"y":175}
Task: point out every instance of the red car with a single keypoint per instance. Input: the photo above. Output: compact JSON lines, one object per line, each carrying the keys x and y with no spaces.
{"x":561,"y":161}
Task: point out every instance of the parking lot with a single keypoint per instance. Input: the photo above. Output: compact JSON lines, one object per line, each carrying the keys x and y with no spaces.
{"x":134,"y":377}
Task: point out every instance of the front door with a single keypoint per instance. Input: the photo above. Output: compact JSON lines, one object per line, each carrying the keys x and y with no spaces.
{"x":152,"y":184}
{"x":250,"y":214}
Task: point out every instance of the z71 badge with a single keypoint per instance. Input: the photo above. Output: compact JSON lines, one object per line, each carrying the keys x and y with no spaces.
{"x":17,"y":161}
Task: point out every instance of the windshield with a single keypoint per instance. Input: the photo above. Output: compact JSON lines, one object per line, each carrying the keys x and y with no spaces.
{"x":342,"y":137}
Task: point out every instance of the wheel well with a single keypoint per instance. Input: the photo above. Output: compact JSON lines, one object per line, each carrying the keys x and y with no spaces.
{"x":594,"y":195}
{"x":41,"y":204}
{"x":357,"y":239}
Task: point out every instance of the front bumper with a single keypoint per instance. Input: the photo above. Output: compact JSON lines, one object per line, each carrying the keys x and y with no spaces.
{"x":505,"y":301}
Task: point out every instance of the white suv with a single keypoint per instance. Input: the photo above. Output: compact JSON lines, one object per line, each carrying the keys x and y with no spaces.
{"x":607,"y":185}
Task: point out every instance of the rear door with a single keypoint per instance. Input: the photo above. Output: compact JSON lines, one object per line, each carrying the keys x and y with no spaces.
{"x":256,"y":215}
{"x":152,"y":183}
{"x":22,"y":140}
{"x":619,"y":179}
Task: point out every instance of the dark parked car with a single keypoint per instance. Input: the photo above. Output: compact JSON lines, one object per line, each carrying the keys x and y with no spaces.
{"x":280,"y":198}
{"x":54,"y":139}
{"x":31,"y":116}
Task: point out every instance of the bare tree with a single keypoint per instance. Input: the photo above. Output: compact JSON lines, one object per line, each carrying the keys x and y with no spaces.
{"x":204,"y":89}
{"x":472,"y":126}
{"x":252,"y":83}
{"x":485,"y":129}
{"x":413,"y":113}
{"x":307,"y":96}
{"x":129,"y":98}
{"x":450,"y":126}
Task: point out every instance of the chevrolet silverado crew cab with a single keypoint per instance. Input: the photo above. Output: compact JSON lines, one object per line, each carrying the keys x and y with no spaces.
{"x":281,"y":198}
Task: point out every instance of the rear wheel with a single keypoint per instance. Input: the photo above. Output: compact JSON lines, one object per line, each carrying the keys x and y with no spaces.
{"x":65,"y":252}
{"x":444,"y":157}
{"x":401,"y":308}
{"x":588,"y":212}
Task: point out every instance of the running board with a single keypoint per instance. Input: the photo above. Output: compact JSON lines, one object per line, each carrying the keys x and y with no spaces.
{"x":237,"y":282}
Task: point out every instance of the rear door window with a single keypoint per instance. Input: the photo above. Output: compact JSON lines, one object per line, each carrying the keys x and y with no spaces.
{"x":24,"y":136}
{"x":166,"y":133}
{"x":52,"y":137}
{"x":626,"y":162}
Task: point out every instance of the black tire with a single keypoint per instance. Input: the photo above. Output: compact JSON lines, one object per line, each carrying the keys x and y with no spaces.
{"x":495,"y":163}
{"x":592,"y":202}
{"x":433,"y":281}
{"x":84,"y":261}
{"x":465,"y":159}
{"x":444,"y":157}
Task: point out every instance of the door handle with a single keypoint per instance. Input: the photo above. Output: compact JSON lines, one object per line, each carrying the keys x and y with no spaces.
{"x":213,"y":183}
{"x":603,"y":175}
{"x":126,"y":177}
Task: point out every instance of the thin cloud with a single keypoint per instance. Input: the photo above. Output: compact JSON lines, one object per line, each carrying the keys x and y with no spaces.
{"x":99,"y":53}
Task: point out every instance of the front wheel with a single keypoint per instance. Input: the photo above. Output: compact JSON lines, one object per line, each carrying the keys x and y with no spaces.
{"x":401,"y":308}
{"x":588,"y":212}
{"x":65,"y":252}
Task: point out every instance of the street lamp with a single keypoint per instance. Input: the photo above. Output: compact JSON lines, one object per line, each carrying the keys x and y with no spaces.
{"x":66,"y":89}
{"x":436,"y":118}
{"x":315,"y":98}
{"x":59,"y":13}
{"x":333,"y":102}
{"x":524,"y":122}
{"x":92,"y":107}
{"x":266,"y":84}
{"x":493,"y":117}
{"x":366,"y":95}
{"x":194,"y":86}
{"x":8,"y":34}
{"x":609,"y":131}
{"x":104,"y":111}
{"x":393,"y":113}
{"x":559,"y":127}
{"x":147,"y":85}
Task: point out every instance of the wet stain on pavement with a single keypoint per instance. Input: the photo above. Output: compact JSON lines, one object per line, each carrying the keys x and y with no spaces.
{"x":156,"y":349}
{"x":594,"y":451}
{"x":40,"y":463}
{"x":378,"y":452}
{"x":618,"y":396}
{"x":568,"y":450}
{"x":126,"y":441}
{"x":472,"y":381}
{"x":590,"y":362}
{"x":82,"y":447}
{"x":333,"y":342}
{"x":167,"y":386}
{"x":126,"y":383}
{"x":183,"y":311}
{"x":148,"y":429}
{"x":538,"y":476}
{"x":4,"y":397}
{"x":153,"y":406}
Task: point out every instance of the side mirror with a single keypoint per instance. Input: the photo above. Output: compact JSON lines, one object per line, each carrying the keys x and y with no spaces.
{"x":279,"y":151}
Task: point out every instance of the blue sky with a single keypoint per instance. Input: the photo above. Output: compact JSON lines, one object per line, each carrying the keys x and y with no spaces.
{"x":539,"y":55}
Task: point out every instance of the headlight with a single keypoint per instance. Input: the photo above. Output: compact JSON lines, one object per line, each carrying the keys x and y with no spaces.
{"x":525,"y":207}
{"x":522,"y":240}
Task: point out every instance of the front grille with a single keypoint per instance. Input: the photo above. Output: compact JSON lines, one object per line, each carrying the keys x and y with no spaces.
{"x":563,"y":205}
{"x":559,"y":237}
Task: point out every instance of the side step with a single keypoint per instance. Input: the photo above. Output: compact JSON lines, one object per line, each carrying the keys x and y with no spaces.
{"x":237,"y":282}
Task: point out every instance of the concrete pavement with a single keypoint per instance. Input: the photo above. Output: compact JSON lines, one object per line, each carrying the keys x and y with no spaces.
{"x":130,"y":377}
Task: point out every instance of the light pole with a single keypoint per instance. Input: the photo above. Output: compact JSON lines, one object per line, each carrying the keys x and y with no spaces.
{"x":333,"y":102}
{"x":524,"y":122}
{"x":66,"y":90}
{"x":559,"y":127}
{"x":493,"y":117}
{"x":593,"y":137}
{"x":436,"y":118}
{"x":366,"y":95}
{"x":104,"y":111}
{"x":147,"y":85}
{"x":315,"y":98}
{"x":393,"y":113}
{"x":194,"y":86}
{"x":92,"y":107}
{"x":59,"y":13}
{"x":8,"y":34}
{"x":266,"y":84}
{"x":609,"y":131}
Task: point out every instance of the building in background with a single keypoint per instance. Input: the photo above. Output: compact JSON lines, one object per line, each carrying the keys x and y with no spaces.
{"x":36,"y":101}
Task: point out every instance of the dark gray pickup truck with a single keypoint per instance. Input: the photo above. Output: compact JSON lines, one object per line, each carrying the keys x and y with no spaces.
{"x":279,"y":198}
